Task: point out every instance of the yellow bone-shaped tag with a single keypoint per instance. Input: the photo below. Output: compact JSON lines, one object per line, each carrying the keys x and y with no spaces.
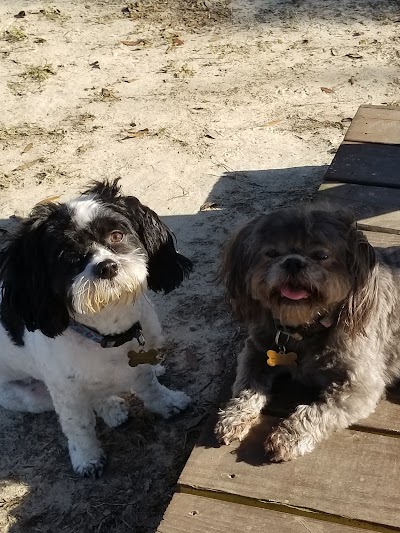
{"x":281,"y":358}
{"x":143,"y":358}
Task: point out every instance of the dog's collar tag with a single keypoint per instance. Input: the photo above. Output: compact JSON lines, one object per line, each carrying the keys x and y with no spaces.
{"x":143,"y":358}
{"x":281,"y":358}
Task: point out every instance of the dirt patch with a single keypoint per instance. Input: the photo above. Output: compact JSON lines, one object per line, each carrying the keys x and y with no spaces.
{"x":211,"y":113}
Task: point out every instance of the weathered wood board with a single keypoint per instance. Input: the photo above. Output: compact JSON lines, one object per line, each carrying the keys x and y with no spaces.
{"x":353,"y":475}
{"x":375,"y":124}
{"x":366,"y":164}
{"x":194,"y":514}
{"x":376,"y":208}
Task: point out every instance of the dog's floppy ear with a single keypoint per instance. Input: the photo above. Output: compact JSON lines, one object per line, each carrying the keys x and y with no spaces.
{"x":361,"y":261}
{"x":166,"y":267}
{"x":27,"y":297}
{"x":234,"y":270}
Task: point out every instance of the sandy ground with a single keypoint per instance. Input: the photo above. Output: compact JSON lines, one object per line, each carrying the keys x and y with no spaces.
{"x":191,"y":103}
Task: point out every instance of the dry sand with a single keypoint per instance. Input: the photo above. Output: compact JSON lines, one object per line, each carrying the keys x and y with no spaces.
{"x":241,"y":106}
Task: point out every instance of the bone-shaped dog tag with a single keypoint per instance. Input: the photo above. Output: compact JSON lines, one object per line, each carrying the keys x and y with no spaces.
{"x":281,"y":358}
{"x":144,"y":358}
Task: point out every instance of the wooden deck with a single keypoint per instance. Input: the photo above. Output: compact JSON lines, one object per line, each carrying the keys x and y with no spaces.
{"x":350,"y":483}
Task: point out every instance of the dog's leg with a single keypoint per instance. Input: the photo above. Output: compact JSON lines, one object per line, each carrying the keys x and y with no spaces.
{"x":113,"y":410}
{"x":156,"y":397}
{"x":78,"y":422}
{"x":310,"y":424}
{"x":249,"y":396}
{"x":30,"y":395}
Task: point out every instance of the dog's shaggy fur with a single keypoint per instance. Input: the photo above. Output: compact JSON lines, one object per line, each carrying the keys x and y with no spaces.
{"x":90,"y":260}
{"x":312,"y":273}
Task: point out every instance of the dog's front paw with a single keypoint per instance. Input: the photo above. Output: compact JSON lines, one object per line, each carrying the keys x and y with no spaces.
{"x":285,"y":444}
{"x":113,"y":411}
{"x":87,"y":463}
{"x":169,"y":403}
{"x":233,"y":425}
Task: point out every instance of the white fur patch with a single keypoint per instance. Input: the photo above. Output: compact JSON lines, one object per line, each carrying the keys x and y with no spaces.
{"x":84,"y":211}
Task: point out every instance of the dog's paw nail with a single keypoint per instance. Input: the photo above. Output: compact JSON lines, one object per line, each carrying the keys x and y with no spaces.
{"x":93,"y":469}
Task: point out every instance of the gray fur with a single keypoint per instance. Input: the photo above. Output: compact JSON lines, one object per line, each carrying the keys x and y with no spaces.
{"x":354,"y":360}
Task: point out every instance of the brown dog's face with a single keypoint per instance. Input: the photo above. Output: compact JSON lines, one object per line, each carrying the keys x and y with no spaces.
{"x":296,"y":264}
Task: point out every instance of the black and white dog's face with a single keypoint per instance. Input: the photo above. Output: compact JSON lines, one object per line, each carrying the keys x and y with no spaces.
{"x":79,"y":257}
{"x":102,"y":258}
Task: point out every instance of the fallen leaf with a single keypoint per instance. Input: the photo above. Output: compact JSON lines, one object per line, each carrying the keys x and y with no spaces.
{"x":194,"y":422}
{"x":209,"y":206}
{"x":177,"y":42}
{"x":49,"y":200}
{"x":126,"y":11}
{"x":28,"y":164}
{"x":354,"y":56}
{"x":210,"y":134}
{"x":270,"y":123}
{"x":107,"y":93}
{"x":327,"y":90}
{"x":191,"y":359}
{"x":27,"y":148}
{"x":134,"y":43}
{"x":135,"y":134}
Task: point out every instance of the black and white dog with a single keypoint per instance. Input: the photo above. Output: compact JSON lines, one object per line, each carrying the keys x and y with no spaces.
{"x":73,"y":303}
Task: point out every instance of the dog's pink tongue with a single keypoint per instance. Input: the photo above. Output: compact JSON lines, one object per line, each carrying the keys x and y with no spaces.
{"x":294,"y":294}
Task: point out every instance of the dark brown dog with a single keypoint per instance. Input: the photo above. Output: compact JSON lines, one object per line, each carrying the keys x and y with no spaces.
{"x":309,"y":283}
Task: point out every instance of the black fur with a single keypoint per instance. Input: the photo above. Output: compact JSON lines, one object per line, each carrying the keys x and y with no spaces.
{"x":27,"y":276}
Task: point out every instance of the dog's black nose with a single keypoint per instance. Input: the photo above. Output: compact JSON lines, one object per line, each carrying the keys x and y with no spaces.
{"x":107,"y":269}
{"x":293,"y":265}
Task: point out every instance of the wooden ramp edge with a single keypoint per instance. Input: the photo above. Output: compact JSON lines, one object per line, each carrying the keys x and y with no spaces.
{"x":351,"y":482}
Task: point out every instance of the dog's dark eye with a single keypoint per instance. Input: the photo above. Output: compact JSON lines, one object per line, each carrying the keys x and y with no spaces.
{"x":271,"y":253}
{"x":115,"y":236}
{"x":320,"y":255}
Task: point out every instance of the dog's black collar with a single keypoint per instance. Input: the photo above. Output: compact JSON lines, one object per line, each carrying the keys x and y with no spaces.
{"x":284,"y":333}
{"x":109,"y":341}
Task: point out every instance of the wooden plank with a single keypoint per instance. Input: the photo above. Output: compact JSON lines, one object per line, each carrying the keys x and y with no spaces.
{"x":375,"y":124}
{"x":376,"y":208}
{"x":366,"y":164}
{"x":353,"y":475}
{"x":382,"y":240}
{"x":194,"y":514}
